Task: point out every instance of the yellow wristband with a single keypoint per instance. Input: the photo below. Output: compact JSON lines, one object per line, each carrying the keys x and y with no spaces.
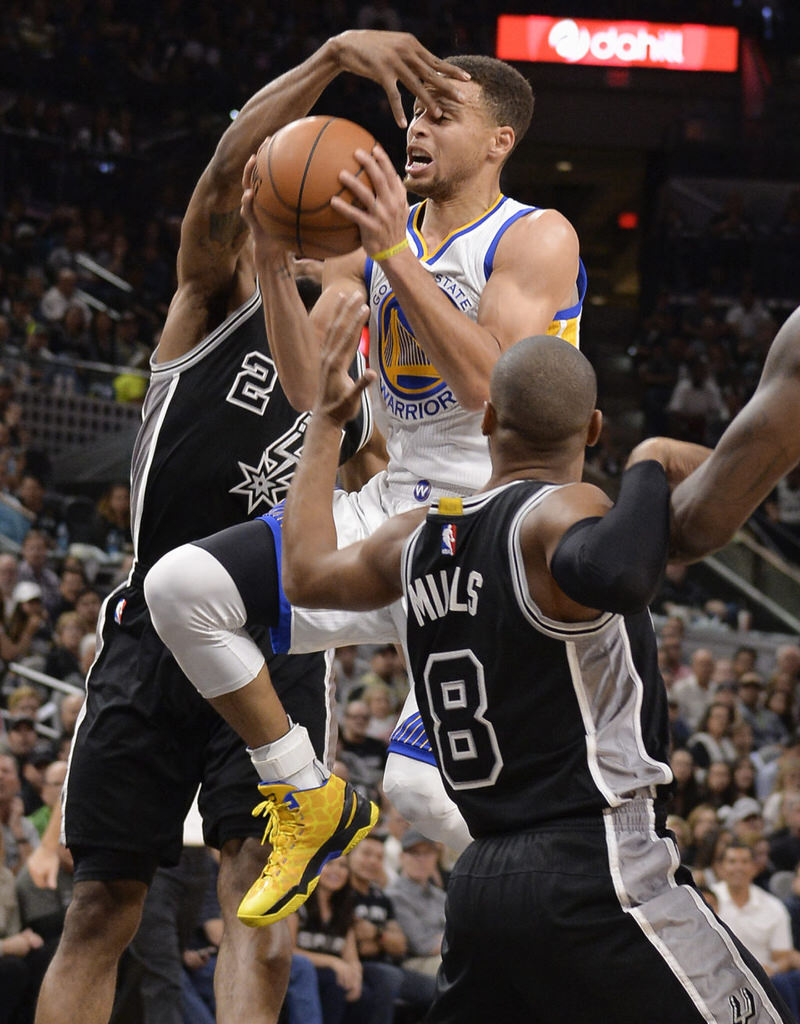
{"x":393,"y":250}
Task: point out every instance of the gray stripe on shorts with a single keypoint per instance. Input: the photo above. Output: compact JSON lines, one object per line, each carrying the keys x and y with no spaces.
{"x":676,"y":921}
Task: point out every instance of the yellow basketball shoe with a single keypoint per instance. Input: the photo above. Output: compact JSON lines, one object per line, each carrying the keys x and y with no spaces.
{"x":306,"y":828}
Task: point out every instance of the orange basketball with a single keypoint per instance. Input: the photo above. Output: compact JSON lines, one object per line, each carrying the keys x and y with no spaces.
{"x":297,"y":172}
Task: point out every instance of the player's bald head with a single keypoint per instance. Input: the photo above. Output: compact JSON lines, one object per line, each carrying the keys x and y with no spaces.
{"x":544,"y":390}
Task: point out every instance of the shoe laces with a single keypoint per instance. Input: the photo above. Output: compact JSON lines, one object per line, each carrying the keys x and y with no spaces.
{"x":283,"y":823}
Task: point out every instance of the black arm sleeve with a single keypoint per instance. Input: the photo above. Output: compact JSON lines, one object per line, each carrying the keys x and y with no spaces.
{"x":615,"y":562}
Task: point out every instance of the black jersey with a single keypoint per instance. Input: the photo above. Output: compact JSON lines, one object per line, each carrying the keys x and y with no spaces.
{"x":531,"y":719}
{"x":219,"y":441}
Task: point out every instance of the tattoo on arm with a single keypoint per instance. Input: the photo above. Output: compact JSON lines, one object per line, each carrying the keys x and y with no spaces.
{"x":226,"y":227}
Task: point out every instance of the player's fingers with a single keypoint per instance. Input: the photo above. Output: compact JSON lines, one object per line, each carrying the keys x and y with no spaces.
{"x":350,"y":316}
{"x":355,"y":214}
{"x":395,"y":101}
{"x":247,"y":173}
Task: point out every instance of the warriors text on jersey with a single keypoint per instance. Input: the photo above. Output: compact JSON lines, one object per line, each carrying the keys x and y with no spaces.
{"x":435,"y":446}
{"x":219,"y":441}
{"x":530,"y":719}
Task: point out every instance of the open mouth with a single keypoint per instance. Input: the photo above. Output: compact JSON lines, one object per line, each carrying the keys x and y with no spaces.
{"x":417,"y":161}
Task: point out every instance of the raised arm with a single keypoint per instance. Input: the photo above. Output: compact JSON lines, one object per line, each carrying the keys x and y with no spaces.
{"x":535,"y":270}
{"x":213,"y":232}
{"x":315,"y":573}
{"x":760,"y":445}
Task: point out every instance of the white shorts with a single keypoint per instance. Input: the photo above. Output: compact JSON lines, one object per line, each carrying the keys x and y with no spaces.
{"x":356,"y":515}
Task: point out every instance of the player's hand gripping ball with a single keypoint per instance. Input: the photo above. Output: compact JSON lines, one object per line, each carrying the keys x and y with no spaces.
{"x":295,"y":175}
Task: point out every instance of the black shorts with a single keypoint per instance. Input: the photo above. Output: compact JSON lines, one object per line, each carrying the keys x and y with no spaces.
{"x":147,"y":739}
{"x":587,"y":922}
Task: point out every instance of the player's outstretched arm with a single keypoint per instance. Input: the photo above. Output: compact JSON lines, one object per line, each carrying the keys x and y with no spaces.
{"x":315,"y":573}
{"x":385,"y":57}
{"x":760,"y":445}
{"x":212,"y":232}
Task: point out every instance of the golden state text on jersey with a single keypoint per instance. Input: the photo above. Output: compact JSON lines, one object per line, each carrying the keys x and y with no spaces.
{"x":435,"y":445}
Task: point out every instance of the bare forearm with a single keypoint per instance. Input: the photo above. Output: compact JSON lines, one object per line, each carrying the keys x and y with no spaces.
{"x":309,"y":532}
{"x":463,"y":352}
{"x":293,"y":338}
{"x":276,"y":104}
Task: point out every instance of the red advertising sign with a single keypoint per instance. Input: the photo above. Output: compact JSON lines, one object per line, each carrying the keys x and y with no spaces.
{"x":637,"y":44}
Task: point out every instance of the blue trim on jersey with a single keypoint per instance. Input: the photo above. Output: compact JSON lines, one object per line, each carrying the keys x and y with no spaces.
{"x":280,"y":635}
{"x":568,"y":314}
{"x":411,"y":229}
{"x":488,"y":260}
{"x":368,"y":265}
{"x":467,"y":227}
{"x":406,"y":750}
{"x":412,"y":731}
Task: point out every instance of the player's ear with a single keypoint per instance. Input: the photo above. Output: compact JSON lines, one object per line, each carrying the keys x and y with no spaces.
{"x":503,"y":142}
{"x":489,"y":421}
{"x":595,"y":428}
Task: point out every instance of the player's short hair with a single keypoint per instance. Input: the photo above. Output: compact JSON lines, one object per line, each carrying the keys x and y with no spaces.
{"x":544,"y":390}
{"x":507,"y":93}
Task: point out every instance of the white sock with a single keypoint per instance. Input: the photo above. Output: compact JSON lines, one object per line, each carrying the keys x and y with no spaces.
{"x":291,"y":759}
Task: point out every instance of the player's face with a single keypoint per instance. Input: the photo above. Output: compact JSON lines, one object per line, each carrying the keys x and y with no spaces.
{"x":443,"y":153}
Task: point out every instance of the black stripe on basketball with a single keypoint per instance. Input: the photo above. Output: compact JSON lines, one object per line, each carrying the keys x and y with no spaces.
{"x":306,"y":169}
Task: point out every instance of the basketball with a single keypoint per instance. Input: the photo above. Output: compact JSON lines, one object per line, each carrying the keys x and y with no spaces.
{"x":295,"y":176}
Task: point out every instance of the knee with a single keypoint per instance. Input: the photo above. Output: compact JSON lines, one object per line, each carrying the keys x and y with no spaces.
{"x":170,"y":589}
{"x":103,"y":915}
{"x":413,"y":787}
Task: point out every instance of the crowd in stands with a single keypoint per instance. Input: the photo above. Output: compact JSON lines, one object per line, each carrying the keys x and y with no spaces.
{"x":736,"y":807}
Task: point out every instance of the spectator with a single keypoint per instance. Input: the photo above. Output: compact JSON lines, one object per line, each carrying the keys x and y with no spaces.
{"x":62,"y":297}
{"x":767,"y":771}
{"x":695,"y":693}
{"x":380,"y":939}
{"x":697,"y":411}
{"x":768,"y":729}
{"x":87,"y":608}
{"x":702,"y":822}
{"x":718,"y":787}
{"x":34,"y":568}
{"x":68,"y":712}
{"x":323,"y":930}
{"x":112,"y":528}
{"x":686,"y":790}
{"x":383,"y":710}
{"x":712,"y":741}
{"x":20,"y":838}
{"x":63,"y":659}
{"x":386,"y":666}
{"x":8,"y":580}
{"x":760,"y":921}
{"x":784,"y":844}
{"x":787,"y":781}
{"x":28,"y":628}
{"x":678,"y":729}
{"x":744,"y":660}
{"x":744,"y":777}
{"x":745,"y":820}
{"x":21,"y":970}
{"x":53,"y":780}
{"x":364,"y":755}
{"x":348,"y":667}
{"x":71,"y":582}
{"x":419,"y":902}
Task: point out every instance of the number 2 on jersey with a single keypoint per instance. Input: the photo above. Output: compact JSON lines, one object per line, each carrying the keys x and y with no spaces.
{"x":466,"y":744}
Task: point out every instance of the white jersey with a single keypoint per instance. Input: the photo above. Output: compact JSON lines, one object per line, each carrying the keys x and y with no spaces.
{"x":435,"y":446}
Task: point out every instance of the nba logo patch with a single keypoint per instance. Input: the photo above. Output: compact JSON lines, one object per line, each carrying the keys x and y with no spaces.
{"x":119,"y":610}
{"x":449,"y":539}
